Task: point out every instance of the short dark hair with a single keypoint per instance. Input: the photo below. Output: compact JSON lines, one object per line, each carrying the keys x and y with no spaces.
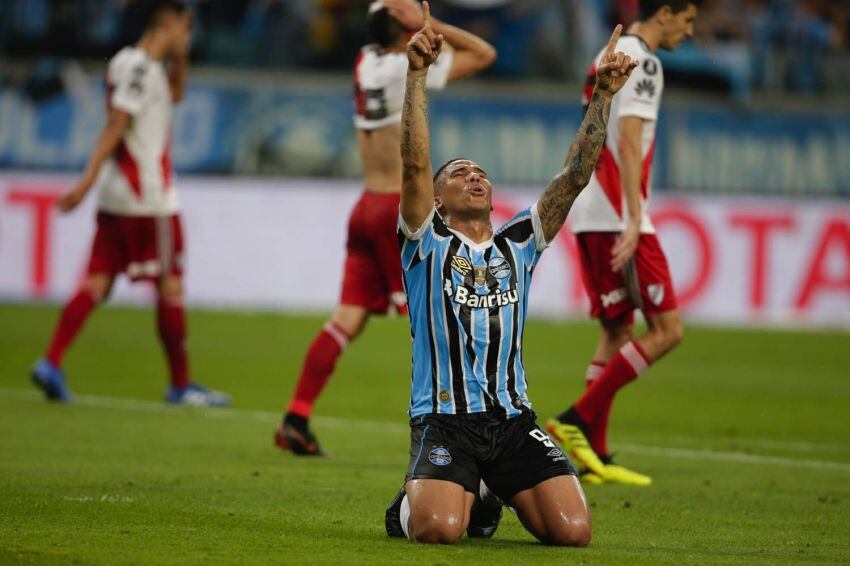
{"x":446,"y":164}
{"x":382,"y":28}
{"x":156,"y":8}
{"x":648,"y":8}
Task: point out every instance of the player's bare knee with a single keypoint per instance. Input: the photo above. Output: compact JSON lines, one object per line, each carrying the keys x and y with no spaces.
{"x":437,"y":529}
{"x":170,"y":288}
{"x":575,"y":533}
{"x":99,"y":287}
{"x":670,"y":336}
{"x":676,"y":335}
{"x":351,"y":322}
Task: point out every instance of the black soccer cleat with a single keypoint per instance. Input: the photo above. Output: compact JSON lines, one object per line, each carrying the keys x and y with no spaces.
{"x":294,"y":435}
{"x":484,"y":517}
{"x":393,"y":516}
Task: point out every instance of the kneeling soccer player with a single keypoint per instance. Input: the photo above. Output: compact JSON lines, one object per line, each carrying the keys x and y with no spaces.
{"x":474,"y":441}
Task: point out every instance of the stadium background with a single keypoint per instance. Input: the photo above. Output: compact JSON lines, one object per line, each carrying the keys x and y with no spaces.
{"x":752,"y":181}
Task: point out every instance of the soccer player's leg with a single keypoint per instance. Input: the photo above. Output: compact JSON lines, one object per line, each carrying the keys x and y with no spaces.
{"x":535,"y":476}
{"x":664,"y":331}
{"x":364,"y":293}
{"x":47,"y":374}
{"x":660,"y":307}
{"x":555,"y":512}
{"x":161,"y":240}
{"x":439,"y":510}
{"x":107,"y":259}
{"x":293,"y":432}
{"x":568,"y":424}
{"x":610,"y":304}
{"x":635,"y":356}
{"x":172,"y":330}
{"x":388,"y":254}
{"x":435,"y":504}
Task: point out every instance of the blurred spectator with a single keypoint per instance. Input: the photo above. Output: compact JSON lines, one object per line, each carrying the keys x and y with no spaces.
{"x":770,"y":44}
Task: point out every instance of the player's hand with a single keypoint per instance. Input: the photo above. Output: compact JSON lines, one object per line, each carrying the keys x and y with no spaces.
{"x":407,"y":12}
{"x":75,"y":196}
{"x":425,"y":46}
{"x":625,"y":247}
{"x":615,"y":67}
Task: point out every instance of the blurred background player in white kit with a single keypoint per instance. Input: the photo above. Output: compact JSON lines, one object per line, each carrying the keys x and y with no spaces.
{"x":372,"y":273}
{"x":138,"y":222}
{"x":623,"y":265}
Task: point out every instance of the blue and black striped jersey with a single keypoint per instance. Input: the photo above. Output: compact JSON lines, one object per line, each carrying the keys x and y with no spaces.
{"x":468,"y":304}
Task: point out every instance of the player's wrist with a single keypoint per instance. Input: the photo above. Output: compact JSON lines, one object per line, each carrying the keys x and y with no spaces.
{"x":417,"y":73}
{"x":603,"y":92}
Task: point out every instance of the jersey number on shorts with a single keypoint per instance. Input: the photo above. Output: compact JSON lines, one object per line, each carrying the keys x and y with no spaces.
{"x":538,"y":434}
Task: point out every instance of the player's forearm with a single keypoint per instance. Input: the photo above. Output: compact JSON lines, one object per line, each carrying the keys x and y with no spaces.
{"x":417,"y":192}
{"x":631,"y":164}
{"x":105,"y":145}
{"x":558,"y":198}
{"x":415,"y":137}
{"x":463,"y":41}
{"x":178,"y":74}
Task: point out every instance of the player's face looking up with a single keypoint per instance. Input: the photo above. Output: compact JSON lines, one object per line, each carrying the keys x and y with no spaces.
{"x":676,"y":26}
{"x":463,"y":189}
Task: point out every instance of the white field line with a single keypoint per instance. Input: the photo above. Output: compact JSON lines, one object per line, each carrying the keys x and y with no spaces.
{"x":736,"y":457}
{"x":116,"y":403}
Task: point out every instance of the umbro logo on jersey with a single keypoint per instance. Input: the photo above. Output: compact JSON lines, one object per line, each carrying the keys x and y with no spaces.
{"x":646,"y":87}
{"x":461,"y":264}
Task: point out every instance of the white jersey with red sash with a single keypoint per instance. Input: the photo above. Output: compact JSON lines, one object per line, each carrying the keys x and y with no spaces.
{"x":136,"y":179}
{"x":601,"y":207}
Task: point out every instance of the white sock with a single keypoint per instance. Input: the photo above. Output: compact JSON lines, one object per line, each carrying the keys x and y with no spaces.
{"x":404,"y":515}
{"x":487,"y":497}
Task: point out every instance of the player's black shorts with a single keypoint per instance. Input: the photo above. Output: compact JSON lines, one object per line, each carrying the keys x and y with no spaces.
{"x":509,"y":455}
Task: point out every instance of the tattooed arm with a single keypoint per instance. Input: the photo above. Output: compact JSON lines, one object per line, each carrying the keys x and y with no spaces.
{"x":417,"y":188}
{"x":611,"y":74}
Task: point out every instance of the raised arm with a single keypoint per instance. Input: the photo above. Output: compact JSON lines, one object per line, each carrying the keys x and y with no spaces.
{"x":611,"y":74}
{"x":471,"y":53}
{"x":417,"y":187}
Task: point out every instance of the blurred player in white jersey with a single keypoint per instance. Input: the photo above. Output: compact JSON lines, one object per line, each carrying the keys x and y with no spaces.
{"x":372,"y":279}
{"x":138,"y":223}
{"x":623,"y":266}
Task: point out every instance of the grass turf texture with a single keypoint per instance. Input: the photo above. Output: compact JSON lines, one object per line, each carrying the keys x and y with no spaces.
{"x":122,"y":480}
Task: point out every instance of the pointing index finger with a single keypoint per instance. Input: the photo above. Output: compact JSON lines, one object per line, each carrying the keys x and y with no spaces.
{"x":612,"y":43}
{"x":426,"y":14}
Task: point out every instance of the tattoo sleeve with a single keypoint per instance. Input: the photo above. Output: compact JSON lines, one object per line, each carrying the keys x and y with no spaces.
{"x":417,"y":193}
{"x":559,"y":196}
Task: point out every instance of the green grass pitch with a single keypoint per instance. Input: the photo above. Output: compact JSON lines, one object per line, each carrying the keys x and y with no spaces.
{"x":745,"y":433}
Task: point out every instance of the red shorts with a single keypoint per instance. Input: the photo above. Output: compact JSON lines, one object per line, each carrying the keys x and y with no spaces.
{"x":372,"y":278}
{"x":143,"y":247}
{"x":608,"y":290}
